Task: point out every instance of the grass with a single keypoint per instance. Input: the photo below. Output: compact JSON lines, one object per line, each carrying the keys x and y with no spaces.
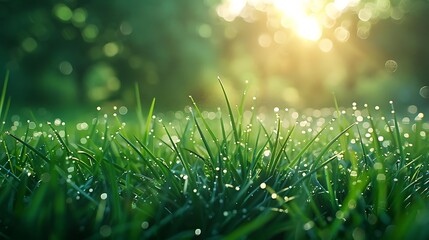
{"x":341,"y":173}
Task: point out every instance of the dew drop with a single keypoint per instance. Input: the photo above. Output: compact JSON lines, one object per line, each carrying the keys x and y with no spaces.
{"x":267,"y":153}
{"x":145,"y":225}
{"x":309,"y":225}
{"x":103,"y":196}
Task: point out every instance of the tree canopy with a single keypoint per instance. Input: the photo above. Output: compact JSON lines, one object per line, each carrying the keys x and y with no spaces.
{"x":298,"y":52}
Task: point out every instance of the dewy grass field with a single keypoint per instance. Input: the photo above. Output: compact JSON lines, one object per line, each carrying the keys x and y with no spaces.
{"x":340,"y":173}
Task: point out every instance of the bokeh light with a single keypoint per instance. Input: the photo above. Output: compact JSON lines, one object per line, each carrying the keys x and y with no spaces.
{"x":294,"y":52}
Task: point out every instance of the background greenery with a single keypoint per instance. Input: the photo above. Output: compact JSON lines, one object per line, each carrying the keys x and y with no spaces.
{"x":125,"y":171}
{"x":75,"y":52}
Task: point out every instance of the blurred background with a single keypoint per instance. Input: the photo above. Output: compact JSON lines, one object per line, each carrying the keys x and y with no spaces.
{"x":293,"y":53}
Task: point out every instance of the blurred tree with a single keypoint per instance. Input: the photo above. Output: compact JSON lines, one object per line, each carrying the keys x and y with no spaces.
{"x":76,"y":51}
{"x":68,"y":51}
{"x":302,"y":51}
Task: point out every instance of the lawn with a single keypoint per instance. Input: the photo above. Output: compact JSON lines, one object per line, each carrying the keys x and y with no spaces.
{"x":357,"y":172}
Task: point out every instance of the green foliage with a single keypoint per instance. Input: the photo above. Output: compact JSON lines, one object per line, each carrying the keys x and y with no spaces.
{"x":81,"y":52}
{"x":78,"y":52}
{"x":331,"y":174}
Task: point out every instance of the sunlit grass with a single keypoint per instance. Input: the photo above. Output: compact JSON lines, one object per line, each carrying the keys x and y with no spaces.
{"x":340,"y":173}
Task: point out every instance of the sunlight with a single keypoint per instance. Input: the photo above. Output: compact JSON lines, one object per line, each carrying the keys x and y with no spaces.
{"x":295,"y":12}
{"x":341,"y":4}
{"x":308,"y":28}
{"x":307,"y":18}
{"x":230,"y":9}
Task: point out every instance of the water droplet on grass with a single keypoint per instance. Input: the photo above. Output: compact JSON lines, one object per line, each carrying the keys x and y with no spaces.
{"x":103,"y":196}
{"x":419,"y":117}
{"x":145,"y":225}
{"x":309,"y":225}
{"x":267,"y":153}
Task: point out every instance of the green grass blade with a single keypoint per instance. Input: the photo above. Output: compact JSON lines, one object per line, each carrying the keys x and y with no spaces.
{"x":304,"y":149}
{"x":329,"y":144}
{"x":282,"y":148}
{"x":364,"y":153}
{"x":203,"y":138}
{"x":231,"y":115}
{"x":271,"y":163}
{"x":145,"y":160}
{"x":5,"y":112}
{"x":311,"y":172}
{"x":164,"y":168}
{"x":185,"y":164}
{"x":240,"y":110}
{"x":398,"y":137}
{"x":37,"y":152}
{"x":60,"y":140}
{"x":148,"y":122}
{"x":212,"y":135}
{"x":3,"y":93}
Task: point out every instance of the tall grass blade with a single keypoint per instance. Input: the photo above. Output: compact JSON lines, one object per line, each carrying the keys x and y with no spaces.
{"x":37,"y":152}
{"x":231,"y":115}
{"x":3,"y":94}
{"x":61,"y":141}
{"x":145,"y":160}
{"x":148,"y":122}
{"x":203,"y":138}
{"x":185,"y":164}
{"x":139,"y":109}
{"x":329,"y":144}
{"x":304,"y":149}
{"x":274,"y":148}
{"x":282,"y":150}
{"x":311,"y":172}
{"x":398,"y":137}
{"x":212,"y":135}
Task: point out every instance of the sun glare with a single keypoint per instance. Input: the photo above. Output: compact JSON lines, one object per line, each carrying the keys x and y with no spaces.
{"x":308,"y":28}
{"x":307,"y":18}
{"x":295,"y":14}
